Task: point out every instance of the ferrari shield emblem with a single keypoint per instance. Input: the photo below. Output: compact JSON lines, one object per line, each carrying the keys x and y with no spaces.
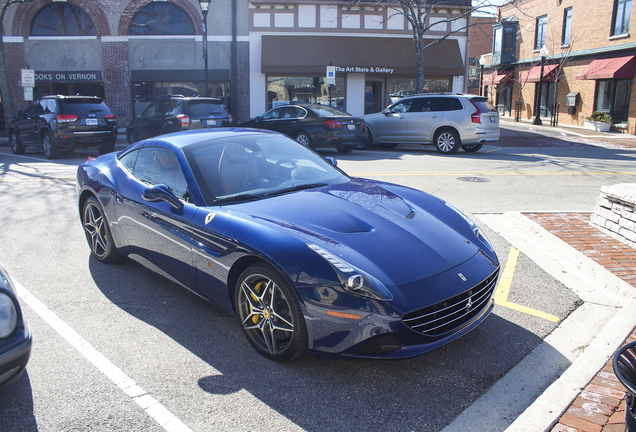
{"x":209,"y":217}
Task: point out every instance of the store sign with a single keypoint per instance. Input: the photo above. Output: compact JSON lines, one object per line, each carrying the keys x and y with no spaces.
{"x":83,"y":76}
{"x":359,"y":69}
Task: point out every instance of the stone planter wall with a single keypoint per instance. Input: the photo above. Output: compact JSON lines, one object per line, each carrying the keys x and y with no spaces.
{"x":614,"y":212}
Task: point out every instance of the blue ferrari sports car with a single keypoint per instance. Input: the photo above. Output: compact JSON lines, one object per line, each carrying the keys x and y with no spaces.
{"x":307,"y":257}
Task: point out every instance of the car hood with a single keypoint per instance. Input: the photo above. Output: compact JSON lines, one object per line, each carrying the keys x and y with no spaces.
{"x":372,"y":228}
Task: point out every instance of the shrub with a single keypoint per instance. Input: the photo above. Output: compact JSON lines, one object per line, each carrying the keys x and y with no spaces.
{"x":599,"y":117}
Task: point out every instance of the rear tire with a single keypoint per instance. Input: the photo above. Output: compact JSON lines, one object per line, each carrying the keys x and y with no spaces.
{"x":16,"y":143}
{"x":447,"y":141}
{"x":344,"y":148}
{"x":304,"y":139}
{"x":50,"y":148}
{"x":368,"y":144}
{"x":471,"y":148}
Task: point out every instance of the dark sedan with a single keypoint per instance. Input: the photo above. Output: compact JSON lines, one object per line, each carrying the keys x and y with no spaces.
{"x":15,"y":335}
{"x":307,"y":258}
{"x":314,"y":126}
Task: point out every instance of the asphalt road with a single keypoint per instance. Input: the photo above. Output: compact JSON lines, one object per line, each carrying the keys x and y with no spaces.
{"x":110,"y":338}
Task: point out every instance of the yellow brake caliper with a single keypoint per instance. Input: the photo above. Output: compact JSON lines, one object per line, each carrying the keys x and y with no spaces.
{"x":256,"y":318}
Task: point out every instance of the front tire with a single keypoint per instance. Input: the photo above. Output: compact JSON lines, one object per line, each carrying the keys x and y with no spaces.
{"x":50,"y":148}
{"x":368,"y":143}
{"x":447,"y":141}
{"x":271,"y":317}
{"x":98,"y":233}
{"x":304,"y":139}
{"x":16,"y":143}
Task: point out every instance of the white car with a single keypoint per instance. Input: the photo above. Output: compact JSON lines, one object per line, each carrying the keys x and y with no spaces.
{"x":448,"y":121}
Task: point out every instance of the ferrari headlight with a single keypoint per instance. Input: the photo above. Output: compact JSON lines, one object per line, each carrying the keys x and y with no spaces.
{"x":353,"y":279}
{"x":8,"y":316}
{"x":473,"y":226}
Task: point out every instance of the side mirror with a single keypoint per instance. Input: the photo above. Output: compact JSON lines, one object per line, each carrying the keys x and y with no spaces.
{"x":257,"y":119}
{"x":386,"y":111}
{"x":139,"y":115}
{"x":331,"y":160}
{"x":159,"y":193}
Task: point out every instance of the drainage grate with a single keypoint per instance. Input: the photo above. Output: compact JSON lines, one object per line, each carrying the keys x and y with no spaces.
{"x":473,"y":179}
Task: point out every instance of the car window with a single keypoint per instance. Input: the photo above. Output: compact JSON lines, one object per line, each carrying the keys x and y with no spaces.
{"x":204,"y":108}
{"x":84,"y":107}
{"x":272,"y":114}
{"x":450,"y":104}
{"x":156,"y":165}
{"x":327,"y":111}
{"x":402,"y":106}
{"x":483,"y":104}
{"x":36,"y":108}
{"x":290,"y":112}
{"x":152,"y":110}
{"x":128,"y":160}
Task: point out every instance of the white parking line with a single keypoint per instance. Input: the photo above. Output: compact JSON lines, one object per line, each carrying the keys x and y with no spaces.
{"x":149,"y":404}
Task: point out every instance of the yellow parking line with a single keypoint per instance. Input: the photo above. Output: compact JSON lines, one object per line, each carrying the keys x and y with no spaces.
{"x":503,"y":289}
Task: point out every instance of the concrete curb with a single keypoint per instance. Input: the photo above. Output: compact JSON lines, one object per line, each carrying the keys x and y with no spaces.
{"x":534,"y":394}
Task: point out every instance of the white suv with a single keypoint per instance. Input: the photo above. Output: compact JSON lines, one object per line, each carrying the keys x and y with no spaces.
{"x":448,"y":121}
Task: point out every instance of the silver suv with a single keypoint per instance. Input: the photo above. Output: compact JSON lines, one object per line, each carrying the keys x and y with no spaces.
{"x":448,"y":121}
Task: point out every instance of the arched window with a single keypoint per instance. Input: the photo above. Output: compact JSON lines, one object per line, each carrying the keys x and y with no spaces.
{"x":62,"y":19}
{"x":161,"y":19}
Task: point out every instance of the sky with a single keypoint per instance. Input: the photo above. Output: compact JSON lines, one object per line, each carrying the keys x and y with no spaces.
{"x":492,"y":10}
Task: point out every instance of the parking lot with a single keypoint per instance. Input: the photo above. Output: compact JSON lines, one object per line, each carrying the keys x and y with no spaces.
{"x":119,"y":348}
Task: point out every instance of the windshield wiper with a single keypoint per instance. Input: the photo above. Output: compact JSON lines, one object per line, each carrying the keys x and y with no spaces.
{"x":240,"y":197}
{"x":295,"y":188}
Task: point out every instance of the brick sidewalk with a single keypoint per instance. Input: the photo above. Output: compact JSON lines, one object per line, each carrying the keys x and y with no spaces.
{"x":601,"y":405}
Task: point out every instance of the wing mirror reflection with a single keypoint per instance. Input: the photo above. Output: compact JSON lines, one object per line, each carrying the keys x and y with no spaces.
{"x":331,"y":160}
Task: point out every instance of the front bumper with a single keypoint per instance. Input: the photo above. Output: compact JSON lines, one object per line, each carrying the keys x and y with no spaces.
{"x":424,"y":315}
{"x":15,"y":355}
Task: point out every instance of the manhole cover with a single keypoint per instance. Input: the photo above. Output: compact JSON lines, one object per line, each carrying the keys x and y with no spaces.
{"x":473,"y":179}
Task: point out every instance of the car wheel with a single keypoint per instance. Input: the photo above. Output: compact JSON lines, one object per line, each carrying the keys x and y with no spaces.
{"x":344,"y":148}
{"x":106,"y":148}
{"x":51,"y":150}
{"x":447,"y":141}
{"x":471,"y":148}
{"x":270,"y":315}
{"x":97,"y":232}
{"x":129,"y":137}
{"x":368,"y":144}
{"x":304,"y":139}
{"x":16,"y":144}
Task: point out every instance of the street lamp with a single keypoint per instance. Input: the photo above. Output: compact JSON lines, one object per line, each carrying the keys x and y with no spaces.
{"x":537,"y":119}
{"x":205,"y":5}
{"x":482,"y":62}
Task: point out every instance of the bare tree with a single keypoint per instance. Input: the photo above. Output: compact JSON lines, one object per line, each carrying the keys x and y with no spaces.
{"x":428,"y":32}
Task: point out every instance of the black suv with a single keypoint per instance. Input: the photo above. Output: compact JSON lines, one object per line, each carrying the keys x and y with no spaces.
{"x":177,"y":113}
{"x":59,"y":123}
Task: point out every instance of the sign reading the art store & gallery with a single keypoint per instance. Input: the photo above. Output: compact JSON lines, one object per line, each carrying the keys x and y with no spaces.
{"x":358,"y":69}
{"x":79,"y":76}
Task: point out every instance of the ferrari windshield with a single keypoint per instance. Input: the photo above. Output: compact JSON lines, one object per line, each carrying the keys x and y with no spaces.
{"x":249,"y":166}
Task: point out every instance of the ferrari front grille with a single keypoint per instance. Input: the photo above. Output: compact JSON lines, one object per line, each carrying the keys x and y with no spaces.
{"x":446,"y":316}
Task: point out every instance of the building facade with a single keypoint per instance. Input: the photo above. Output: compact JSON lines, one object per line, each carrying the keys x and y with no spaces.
{"x":260,"y":52}
{"x":585,"y":51}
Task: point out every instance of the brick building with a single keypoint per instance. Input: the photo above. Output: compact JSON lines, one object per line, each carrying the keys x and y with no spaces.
{"x":480,"y":43}
{"x":260,"y":52}
{"x":589,"y":64}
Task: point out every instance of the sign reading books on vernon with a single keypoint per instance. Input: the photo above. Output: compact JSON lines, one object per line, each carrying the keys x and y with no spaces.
{"x":79,"y":76}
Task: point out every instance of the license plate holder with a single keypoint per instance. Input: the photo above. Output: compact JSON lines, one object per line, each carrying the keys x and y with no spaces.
{"x":493,"y":119}
{"x":209,"y":122}
{"x":351,"y":127}
{"x":91,"y":122}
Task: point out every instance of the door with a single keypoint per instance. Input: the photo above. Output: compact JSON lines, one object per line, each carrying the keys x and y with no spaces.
{"x":390,"y":126}
{"x":373,"y":97}
{"x":28,"y":124}
{"x":424,"y":115}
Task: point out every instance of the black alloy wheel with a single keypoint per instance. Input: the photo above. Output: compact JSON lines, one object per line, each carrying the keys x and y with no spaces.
{"x":15,"y":143}
{"x":97,"y":232}
{"x":367,"y":145}
{"x":344,"y":148}
{"x":271,"y":317}
{"x":447,"y":141}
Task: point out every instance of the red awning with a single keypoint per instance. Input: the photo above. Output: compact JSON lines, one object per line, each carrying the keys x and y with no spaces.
{"x":549,"y":73}
{"x":617,"y":67}
{"x":497,"y":78}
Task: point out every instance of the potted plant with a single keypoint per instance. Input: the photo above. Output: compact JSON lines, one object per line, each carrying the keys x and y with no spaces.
{"x":598,"y":121}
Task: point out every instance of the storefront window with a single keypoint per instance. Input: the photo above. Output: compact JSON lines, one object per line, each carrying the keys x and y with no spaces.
{"x":145,"y":93}
{"x":400,"y":87}
{"x":284,"y":90}
{"x":612,"y":97}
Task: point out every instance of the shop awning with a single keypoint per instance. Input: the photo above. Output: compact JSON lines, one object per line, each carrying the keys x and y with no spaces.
{"x":549,"y":73}
{"x":371,"y":55}
{"x":617,"y":67}
{"x":497,"y":78}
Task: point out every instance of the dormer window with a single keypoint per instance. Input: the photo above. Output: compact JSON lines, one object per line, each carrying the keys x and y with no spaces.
{"x":503,"y":41}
